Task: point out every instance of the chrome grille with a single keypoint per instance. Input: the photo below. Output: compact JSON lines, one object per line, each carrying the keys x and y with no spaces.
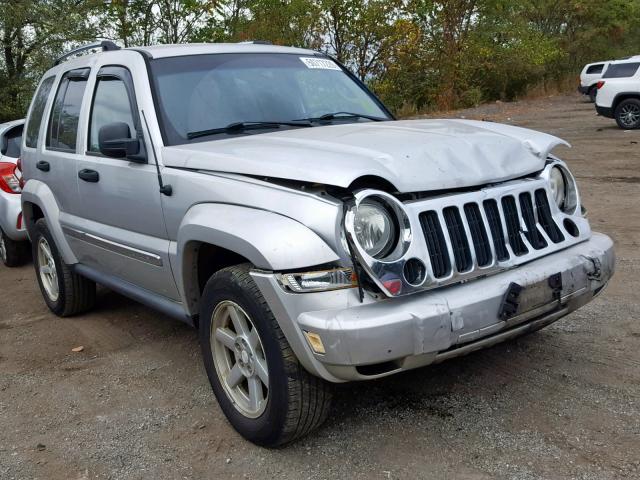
{"x":460,"y":238}
{"x":463,"y":235}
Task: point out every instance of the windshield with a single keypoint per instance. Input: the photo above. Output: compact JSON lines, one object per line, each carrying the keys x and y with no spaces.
{"x":208,"y":93}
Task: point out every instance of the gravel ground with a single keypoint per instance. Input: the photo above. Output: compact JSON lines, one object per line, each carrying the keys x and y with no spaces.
{"x":135,"y":403}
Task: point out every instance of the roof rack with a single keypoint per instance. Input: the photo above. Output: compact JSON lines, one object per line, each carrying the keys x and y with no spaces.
{"x":105,"y":45}
{"x":256,"y":42}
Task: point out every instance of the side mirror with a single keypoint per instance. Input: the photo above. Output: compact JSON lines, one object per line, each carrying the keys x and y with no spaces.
{"x":114,"y":141}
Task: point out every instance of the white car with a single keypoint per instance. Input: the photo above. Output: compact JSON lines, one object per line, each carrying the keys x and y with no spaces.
{"x":14,"y":245}
{"x":593,"y":72}
{"x":619,"y":94}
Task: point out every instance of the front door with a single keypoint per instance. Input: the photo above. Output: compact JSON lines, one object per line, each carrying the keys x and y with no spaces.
{"x":120,"y":230}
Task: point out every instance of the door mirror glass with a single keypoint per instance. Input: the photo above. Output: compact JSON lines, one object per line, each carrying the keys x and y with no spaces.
{"x":114,"y":140}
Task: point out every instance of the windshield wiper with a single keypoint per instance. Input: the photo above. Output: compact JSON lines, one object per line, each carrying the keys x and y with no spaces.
{"x":241,"y":126}
{"x":335,"y":115}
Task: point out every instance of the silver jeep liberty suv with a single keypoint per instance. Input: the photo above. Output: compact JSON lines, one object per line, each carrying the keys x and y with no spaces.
{"x":265,"y":196}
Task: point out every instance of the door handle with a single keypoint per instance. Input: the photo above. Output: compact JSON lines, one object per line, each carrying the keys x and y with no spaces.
{"x":43,"y":166}
{"x":90,"y":176}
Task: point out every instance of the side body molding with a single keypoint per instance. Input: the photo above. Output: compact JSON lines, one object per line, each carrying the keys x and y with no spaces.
{"x":268,"y":240}
{"x":38,"y":193}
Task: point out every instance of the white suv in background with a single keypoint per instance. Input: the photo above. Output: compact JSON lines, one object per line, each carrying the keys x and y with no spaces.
{"x":14,"y":247}
{"x":591,"y":73}
{"x":619,"y":94}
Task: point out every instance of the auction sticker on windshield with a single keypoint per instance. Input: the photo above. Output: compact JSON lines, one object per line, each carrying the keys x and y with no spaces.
{"x":320,"y":63}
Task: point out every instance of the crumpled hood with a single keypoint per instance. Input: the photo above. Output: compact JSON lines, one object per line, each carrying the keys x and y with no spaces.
{"x":413,"y":155}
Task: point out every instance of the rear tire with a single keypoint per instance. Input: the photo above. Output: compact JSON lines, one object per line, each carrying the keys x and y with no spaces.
{"x":12,"y":253}
{"x":627,"y":114}
{"x":294,"y":402}
{"x":593,"y":93}
{"x":66,"y":293}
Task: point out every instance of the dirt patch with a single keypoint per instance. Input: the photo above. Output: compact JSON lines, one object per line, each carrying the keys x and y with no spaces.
{"x":136,"y":404}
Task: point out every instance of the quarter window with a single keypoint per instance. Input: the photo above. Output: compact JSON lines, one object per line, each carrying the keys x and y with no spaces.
{"x":595,"y":69}
{"x":110,"y":104}
{"x":63,"y":124}
{"x":37,"y":110}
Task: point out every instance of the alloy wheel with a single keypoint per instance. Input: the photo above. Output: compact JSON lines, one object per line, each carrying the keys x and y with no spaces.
{"x":630,"y":115}
{"x":47,"y":270}
{"x":239,"y":359}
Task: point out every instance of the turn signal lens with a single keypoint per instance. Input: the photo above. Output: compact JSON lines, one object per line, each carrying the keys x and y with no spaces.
{"x":9,"y":182}
{"x":315,"y":342}
{"x":319,"y":281}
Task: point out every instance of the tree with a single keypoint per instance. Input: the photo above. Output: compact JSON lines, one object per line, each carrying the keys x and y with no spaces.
{"x":358,"y":32}
{"x":131,"y":21}
{"x":33,"y":32}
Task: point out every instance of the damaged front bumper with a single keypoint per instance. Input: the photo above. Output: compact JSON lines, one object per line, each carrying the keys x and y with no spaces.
{"x":380,"y":337}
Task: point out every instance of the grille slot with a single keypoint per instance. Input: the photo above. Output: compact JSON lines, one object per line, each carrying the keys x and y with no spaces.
{"x":512,"y":221}
{"x":545,"y":218}
{"x":458,"y":237}
{"x":436,"y":244}
{"x":478,"y":234}
{"x":493,"y":216}
{"x":536,"y":240}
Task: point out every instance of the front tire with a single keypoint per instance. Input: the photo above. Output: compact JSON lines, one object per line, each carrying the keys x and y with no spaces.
{"x":268,"y":397}
{"x":12,"y":253}
{"x":66,"y":293}
{"x":627,"y":114}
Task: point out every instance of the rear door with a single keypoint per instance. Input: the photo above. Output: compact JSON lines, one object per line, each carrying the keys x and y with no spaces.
{"x":56,"y":161}
{"x":121,"y":228}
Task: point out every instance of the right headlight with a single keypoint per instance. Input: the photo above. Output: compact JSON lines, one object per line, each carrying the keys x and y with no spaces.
{"x":563,"y":189}
{"x":375,"y":228}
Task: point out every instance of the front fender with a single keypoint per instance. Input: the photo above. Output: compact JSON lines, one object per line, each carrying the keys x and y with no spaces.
{"x":38,"y":193}
{"x":268,"y":240}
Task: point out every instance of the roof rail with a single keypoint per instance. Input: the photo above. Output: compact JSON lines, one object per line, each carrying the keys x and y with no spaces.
{"x":256,"y":42}
{"x":105,"y":45}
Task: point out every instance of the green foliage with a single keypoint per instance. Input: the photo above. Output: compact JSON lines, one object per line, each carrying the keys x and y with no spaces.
{"x":418,"y":55}
{"x":32,"y":33}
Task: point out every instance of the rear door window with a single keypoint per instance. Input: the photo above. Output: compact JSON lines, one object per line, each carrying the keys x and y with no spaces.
{"x":621,"y":70}
{"x":37,"y":111}
{"x":595,"y":69}
{"x":63,"y":124}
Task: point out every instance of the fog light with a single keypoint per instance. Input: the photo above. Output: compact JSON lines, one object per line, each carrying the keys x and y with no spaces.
{"x":315,"y":342}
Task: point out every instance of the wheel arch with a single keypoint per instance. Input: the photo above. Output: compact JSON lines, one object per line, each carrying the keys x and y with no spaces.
{"x":620,"y":97}
{"x":215,"y":236}
{"x":38,"y":201}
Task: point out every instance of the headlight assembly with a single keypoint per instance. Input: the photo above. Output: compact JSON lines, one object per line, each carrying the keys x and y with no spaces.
{"x":563,"y":189}
{"x":375,"y":228}
{"x":379,"y":226}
